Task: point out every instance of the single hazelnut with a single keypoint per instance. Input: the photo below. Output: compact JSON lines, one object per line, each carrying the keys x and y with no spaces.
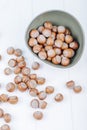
{"x":34,"y":33}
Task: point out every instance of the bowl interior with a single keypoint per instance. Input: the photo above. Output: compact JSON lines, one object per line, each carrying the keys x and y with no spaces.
{"x":60,"y":18}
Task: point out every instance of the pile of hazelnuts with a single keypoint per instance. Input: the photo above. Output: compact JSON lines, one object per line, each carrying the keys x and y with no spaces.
{"x":53,"y":43}
{"x":25,"y":80}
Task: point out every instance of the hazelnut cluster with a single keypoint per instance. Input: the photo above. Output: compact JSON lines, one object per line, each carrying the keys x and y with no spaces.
{"x":26,"y":80}
{"x":53,"y":43}
{"x":10,"y":99}
{"x":71,"y":85}
{"x":7,"y":119}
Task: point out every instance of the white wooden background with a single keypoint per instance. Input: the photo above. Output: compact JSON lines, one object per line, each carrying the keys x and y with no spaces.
{"x":71,"y":114}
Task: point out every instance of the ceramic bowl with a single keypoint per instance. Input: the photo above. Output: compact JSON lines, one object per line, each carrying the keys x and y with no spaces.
{"x":59,"y":18}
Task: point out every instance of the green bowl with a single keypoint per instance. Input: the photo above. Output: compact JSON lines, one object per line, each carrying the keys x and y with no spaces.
{"x":59,"y":18}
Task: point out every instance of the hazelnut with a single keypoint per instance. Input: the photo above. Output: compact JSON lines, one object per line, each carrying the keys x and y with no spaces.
{"x":40,"y":80}
{"x":58,"y":43}
{"x":35,"y":66}
{"x":42,"y":95}
{"x":41,"y":39}
{"x":49,"y":89}
{"x":70,"y":84}
{"x":48,"y":47}
{"x":59,"y":97}
{"x":68,"y":53}
{"x":54,"y":29}
{"x":38,"y":115}
{"x":68,"y":39}
{"x":19,"y":59}
{"x":7,"y":71}
{"x":46,"y":32}
{"x":7,"y":117}
{"x":42,"y":55}
{"x":42,"y":104}
{"x":22,"y":87}
{"x":74,"y":45}
{"x":77,"y":89}
{"x":12,"y":63}
{"x":33,"y":92}
{"x":40,"y":29}
{"x":67,"y":32}
{"x":56,"y":60}
{"x":65,"y":61}
{"x":48,"y":25}
{"x":22,"y":64}
{"x":53,"y":35}
{"x":34,"y":33}
{"x":10,"y":50}
{"x":4,"y":97}
{"x":17,"y":70}
{"x":61,"y":37}
{"x":18,"y":52}
{"x":18,"y":79}
{"x":13,"y":99}
{"x":33,"y":76}
{"x":10,"y":87}
{"x":37,"y":48}
{"x":5,"y":127}
{"x":57,"y":51}
{"x":32,"y":42}
{"x":25,"y":79}
{"x":51,"y":53}
{"x":31,"y":84}
{"x":50,"y":41}
{"x":49,"y":58}
{"x":26,"y":71}
{"x":64,"y":46}
{"x":34,"y":103}
{"x":61,"y":29}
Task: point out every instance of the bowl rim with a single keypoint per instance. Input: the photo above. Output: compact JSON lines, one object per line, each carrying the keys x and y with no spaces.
{"x":45,"y":61}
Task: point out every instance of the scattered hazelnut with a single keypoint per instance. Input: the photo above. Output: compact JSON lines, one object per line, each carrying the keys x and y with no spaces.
{"x":5,"y":127}
{"x":42,"y":95}
{"x":59,"y":97}
{"x":49,"y":89}
{"x":18,"y":52}
{"x":7,"y":71}
{"x":22,"y":87}
{"x":33,"y":92}
{"x":40,"y":80}
{"x":13,"y":99}
{"x":38,"y":115}
{"x":35,"y":66}
{"x":34,"y":103}
{"x":12,"y":63}
{"x":7,"y":117}
{"x":77,"y":89}
{"x":42,"y":104}
{"x":10,"y":87}
{"x":10,"y":50}
{"x":70,"y":84}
